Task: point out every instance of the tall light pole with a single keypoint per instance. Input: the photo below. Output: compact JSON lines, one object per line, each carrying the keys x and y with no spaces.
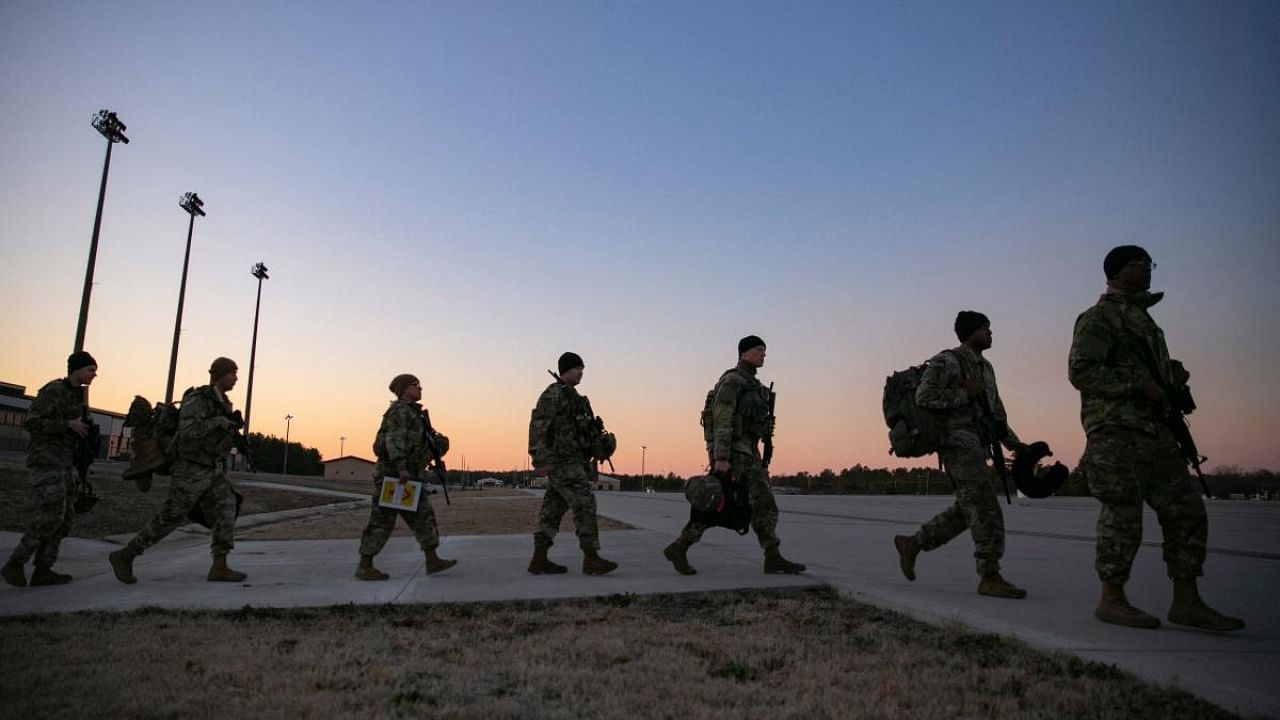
{"x":287,"y":418}
{"x":259,"y":271}
{"x":642,"y":449}
{"x":342,"y":443}
{"x":194,"y":206}
{"x":112,"y":129}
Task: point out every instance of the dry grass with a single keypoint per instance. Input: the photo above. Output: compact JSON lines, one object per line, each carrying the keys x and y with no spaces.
{"x":122,"y":508}
{"x":488,"y":512}
{"x":792,"y":654}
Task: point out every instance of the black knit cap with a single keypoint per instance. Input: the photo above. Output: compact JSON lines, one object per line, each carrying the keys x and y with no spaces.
{"x":748,"y":342}
{"x":222,"y":366}
{"x":81,"y":359}
{"x":968,"y":322}
{"x":569,"y":361}
{"x":1121,"y":256}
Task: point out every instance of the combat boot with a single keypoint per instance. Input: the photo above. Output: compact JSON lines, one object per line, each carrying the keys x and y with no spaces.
{"x":1114,"y":608}
{"x":122,"y":564}
{"x":14,"y":574}
{"x":1187,"y":609}
{"x":219,"y":572}
{"x":775,"y":564}
{"x":908,"y":548}
{"x":540,"y":565}
{"x":46,"y":576}
{"x":436,"y":564}
{"x":593,"y":564}
{"x":995,"y":586}
{"x":366,"y":570}
{"x":677,"y":553}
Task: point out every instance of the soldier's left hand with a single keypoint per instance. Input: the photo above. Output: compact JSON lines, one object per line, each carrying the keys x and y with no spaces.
{"x":78,"y":427}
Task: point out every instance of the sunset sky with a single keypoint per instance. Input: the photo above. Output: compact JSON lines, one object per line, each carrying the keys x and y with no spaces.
{"x":465,"y":190}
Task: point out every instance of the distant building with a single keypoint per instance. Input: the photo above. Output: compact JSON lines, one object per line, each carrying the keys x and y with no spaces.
{"x":14,"y":403}
{"x":483,"y":483}
{"x":605,"y":482}
{"x":349,"y":467}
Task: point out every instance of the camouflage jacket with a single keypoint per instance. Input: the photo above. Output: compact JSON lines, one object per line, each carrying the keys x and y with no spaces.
{"x":1113,"y":350}
{"x":739,"y":413}
{"x":53,"y":444}
{"x":200,"y":439}
{"x":561,"y":427}
{"x":401,"y":443}
{"x":943,"y":388}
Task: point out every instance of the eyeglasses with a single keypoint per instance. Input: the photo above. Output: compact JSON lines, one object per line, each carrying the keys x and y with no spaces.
{"x":1146,"y":264}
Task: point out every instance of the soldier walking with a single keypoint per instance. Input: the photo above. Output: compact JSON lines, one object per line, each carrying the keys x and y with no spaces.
{"x":404,"y":446}
{"x":56,"y":422}
{"x":1120,"y":364}
{"x":739,"y":422}
{"x":565,"y":441}
{"x":962,"y":383}
{"x":202,"y":444}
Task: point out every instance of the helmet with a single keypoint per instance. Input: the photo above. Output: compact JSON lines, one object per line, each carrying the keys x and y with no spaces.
{"x":442,"y":442}
{"x":704,"y":492}
{"x":1033,"y":480}
{"x":603,"y":447}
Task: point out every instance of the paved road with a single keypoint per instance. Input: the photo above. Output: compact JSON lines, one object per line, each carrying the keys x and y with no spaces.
{"x":844,"y":540}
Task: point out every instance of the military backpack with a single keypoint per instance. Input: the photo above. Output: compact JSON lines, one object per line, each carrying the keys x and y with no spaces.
{"x":914,"y":431}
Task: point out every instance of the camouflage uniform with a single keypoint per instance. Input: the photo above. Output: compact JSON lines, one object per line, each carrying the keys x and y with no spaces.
{"x":560,"y":441}
{"x":966,"y":448}
{"x":199,"y":474}
{"x":740,"y":420}
{"x":50,"y":466}
{"x":1131,"y":457}
{"x":400,"y":446}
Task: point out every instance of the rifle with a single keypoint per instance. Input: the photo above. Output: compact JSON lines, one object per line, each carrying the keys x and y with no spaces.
{"x":85,"y":453}
{"x":1181,"y":404}
{"x":767,"y":456}
{"x":437,"y":464}
{"x":997,"y":459}
{"x":1178,"y":405}
{"x":239,"y":440}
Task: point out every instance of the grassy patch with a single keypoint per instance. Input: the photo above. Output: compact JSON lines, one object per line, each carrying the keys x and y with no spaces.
{"x":122,"y":508}
{"x":782,"y":654}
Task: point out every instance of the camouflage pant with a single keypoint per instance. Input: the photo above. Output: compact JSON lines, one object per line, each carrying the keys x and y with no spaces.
{"x":976,"y":508}
{"x":568,"y":488}
{"x":191,"y":485}
{"x":382,"y":522}
{"x":53,"y":497}
{"x":748,"y":468}
{"x":1126,"y":468}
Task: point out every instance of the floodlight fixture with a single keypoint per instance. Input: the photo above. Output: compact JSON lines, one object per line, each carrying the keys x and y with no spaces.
{"x":192,"y":203}
{"x":108,"y":123}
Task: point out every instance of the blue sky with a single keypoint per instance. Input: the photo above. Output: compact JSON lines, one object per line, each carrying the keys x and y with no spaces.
{"x":464,"y":190}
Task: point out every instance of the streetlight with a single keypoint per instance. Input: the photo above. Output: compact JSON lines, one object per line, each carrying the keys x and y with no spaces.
{"x":194,"y":206}
{"x":342,"y":443}
{"x":259,"y":271}
{"x":642,"y":449}
{"x":112,"y":129}
{"x":285,"y":471}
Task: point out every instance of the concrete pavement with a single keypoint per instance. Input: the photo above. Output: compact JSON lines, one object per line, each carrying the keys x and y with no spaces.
{"x":845,"y":540}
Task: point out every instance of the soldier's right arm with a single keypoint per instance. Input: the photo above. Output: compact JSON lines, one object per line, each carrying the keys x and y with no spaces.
{"x":938,"y":389}
{"x":1087,"y":367}
{"x":540,"y":423}
{"x":722,"y":412}
{"x":49,"y":412}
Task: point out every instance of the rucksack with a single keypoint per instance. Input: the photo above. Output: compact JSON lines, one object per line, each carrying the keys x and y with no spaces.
{"x":708,"y":424}
{"x":914,"y":431}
